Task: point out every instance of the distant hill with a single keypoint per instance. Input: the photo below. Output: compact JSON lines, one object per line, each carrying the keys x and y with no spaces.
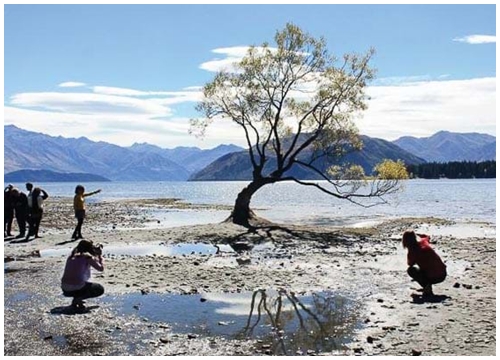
{"x":50,"y":176}
{"x":237,"y":166}
{"x":486,"y":152}
{"x":445,"y":146}
{"x":142,"y":162}
{"x":192,"y":158}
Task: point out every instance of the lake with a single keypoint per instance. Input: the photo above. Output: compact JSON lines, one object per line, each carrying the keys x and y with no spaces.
{"x":288,"y":202}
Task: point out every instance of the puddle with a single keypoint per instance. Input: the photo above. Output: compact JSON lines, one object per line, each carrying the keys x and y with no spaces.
{"x":283,"y":323}
{"x":459,"y":230}
{"x":184,"y":217}
{"x":20,"y":296}
{"x":158,"y":249}
{"x":148,"y":249}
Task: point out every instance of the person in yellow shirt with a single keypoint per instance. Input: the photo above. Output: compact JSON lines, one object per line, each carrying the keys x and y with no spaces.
{"x":79,"y":206}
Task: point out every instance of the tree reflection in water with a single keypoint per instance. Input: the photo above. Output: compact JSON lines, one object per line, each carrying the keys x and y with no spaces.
{"x":326,"y":323}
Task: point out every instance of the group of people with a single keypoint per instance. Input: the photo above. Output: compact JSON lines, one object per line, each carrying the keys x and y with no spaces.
{"x":424,"y":264}
{"x":27,"y":209}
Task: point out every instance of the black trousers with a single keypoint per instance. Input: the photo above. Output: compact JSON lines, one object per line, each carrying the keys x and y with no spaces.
{"x":90,"y":290}
{"x":80,"y":216}
{"x":8,"y":217}
{"x":419,"y":276}
{"x":21,"y":222}
{"x":34,"y":220}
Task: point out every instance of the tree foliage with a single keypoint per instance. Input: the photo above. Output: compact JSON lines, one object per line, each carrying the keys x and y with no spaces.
{"x":290,"y":99}
{"x":391,"y":170}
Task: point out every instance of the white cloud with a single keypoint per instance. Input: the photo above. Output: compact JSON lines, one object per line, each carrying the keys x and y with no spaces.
{"x":109,"y":90}
{"x":90,"y":104}
{"x":233,"y":56}
{"x":227,"y":64}
{"x":423,"y":108}
{"x":71,"y":84}
{"x":477,"y":39}
{"x":193,"y":94}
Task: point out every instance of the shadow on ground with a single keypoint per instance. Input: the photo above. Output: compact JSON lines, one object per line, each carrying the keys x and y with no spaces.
{"x":422,"y":299}
{"x":70,"y":310}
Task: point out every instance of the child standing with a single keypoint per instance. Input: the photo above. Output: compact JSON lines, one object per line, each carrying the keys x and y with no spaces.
{"x":79,"y":206}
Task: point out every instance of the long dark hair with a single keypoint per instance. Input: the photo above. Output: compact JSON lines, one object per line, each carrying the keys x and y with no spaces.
{"x":409,"y":239}
{"x":84,"y":246}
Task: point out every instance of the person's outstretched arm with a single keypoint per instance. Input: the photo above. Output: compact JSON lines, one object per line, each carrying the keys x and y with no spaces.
{"x":92,"y":193}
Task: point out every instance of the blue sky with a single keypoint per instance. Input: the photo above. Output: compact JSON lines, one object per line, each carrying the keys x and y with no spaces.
{"x":129,"y":73}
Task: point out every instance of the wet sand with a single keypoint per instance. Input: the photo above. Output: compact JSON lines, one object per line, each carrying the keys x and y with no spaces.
{"x":367,"y":264}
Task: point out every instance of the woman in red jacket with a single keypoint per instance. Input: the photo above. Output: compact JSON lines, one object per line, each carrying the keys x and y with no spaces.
{"x":425,"y":266}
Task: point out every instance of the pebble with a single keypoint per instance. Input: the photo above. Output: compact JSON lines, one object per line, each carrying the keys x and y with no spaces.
{"x":415,"y":352}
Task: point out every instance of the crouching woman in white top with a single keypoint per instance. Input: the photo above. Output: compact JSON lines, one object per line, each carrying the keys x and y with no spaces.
{"x":75,"y":281}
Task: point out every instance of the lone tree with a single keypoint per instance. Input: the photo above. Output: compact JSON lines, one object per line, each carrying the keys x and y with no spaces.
{"x":295,"y":103}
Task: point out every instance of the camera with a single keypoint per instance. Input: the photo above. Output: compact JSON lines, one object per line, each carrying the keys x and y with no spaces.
{"x":97,"y":249}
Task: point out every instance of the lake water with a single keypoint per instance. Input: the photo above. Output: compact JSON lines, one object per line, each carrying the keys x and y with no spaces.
{"x":288,"y":202}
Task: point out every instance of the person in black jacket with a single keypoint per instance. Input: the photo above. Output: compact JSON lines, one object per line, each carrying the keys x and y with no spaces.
{"x":8,"y":215}
{"x":20,"y":202}
{"x":35,"y":205}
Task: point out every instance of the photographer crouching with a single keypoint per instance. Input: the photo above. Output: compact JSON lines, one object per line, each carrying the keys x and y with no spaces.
{"x":75,"y":281}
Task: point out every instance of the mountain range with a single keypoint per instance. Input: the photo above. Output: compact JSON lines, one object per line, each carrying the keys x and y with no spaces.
{"x":145,"y":162}
{"x":30,"y":150}
{"x":445,"y":146}
{"x":237,"y":166}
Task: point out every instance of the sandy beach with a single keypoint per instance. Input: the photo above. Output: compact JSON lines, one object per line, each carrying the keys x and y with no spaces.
{"x":382,"y":312}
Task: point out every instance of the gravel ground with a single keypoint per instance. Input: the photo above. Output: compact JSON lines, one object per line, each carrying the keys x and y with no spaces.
{"x":367,"y":264}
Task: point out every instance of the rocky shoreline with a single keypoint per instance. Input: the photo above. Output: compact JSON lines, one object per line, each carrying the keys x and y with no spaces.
{"x":366,"y":266}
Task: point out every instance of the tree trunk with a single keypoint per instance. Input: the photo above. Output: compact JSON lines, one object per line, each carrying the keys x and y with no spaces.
{"x":241,"y":212}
